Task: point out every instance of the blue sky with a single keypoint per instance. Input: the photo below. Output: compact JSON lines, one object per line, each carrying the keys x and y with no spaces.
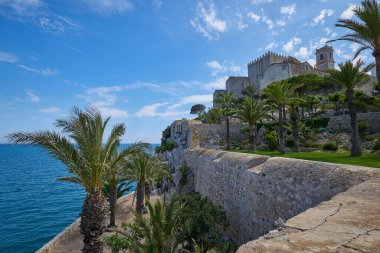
{"x":145,"y":62}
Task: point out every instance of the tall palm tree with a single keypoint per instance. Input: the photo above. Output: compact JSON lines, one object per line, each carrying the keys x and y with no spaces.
{"x":294,"y":104}
{"x":252,"y":112}
{"x":280,"y":93}
{"x":88,"y":160}
{"x":350,"y":75}
{"x":365,"y":31}
{"x":146,"y":170}
{"x":228,"y":109}
{"x":116,"y":181}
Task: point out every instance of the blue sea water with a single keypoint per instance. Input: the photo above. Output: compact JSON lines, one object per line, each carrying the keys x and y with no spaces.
{"x":34,"y":206}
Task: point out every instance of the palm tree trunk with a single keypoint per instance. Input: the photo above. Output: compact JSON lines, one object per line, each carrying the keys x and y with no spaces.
{"x":294,"y":118}
{"x":281,"y":140}
{"x":355,"y":148}
{"x":284,"y":112}
{"x":376,"y":54}
{"x":92,"y":222}
{"x":252,"y":136}
{"x":140,"y":192}
{"x":112,"y":200}
{"x":303,"y":112}
{"x":228,"y":133}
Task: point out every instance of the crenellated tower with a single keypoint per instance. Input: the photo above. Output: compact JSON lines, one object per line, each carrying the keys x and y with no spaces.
{"x":325,"y":58}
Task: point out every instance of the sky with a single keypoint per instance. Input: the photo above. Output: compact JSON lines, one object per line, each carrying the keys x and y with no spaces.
{"x":145,"y":62}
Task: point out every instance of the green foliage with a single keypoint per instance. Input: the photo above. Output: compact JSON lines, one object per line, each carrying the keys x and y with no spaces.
{"x":166,"y":134}
{"x":330,"y":146}
{"x":198,"y":109}
{"x":289,"y":142}
{"x":363,"y":102}
{"x":317,"y":123}
{"x":376,"y":146}
{"x":184,"y":171}
{"x":191,"y":221}
{"x":117,"y":243}
{"x":270,"y":138}
{"x":362,"y":126}
{"x":212,"y":116}
{"x":166,"y":145}
{"x":202,"y":223}
{"x":313,"y":84}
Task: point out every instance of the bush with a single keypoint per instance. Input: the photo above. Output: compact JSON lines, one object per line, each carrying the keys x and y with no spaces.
{"x":166,"y":145}
{"x":317,"y":123}
{"x":271,"y":140}
{"x":376,"y":146}
{"x":362,"y":126}
{"x":289,"y":142}
{"x":330,"y":146}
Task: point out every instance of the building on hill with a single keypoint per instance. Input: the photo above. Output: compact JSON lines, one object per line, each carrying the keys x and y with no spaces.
{"x":272,"y":67}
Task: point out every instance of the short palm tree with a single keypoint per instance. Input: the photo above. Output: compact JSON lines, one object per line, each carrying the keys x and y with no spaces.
{"x":88,"y":160}
{"x":350,"y":75}
{"x":116,"y":181}
{"x":253,"y":112}
{"x":251,"y":90}
{"x":146,"y":170}
{"x":228,"y":102}
{"x":280,"y":93}
{"x":365,"y":31}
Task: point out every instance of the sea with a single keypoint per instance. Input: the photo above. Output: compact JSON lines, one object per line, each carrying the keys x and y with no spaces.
{"x":34,"y":206}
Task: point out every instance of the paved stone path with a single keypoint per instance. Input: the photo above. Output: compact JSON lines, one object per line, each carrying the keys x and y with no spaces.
{"x":348,"y":223}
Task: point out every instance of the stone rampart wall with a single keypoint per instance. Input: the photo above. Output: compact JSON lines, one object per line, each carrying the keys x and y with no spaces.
{"x":342,"y":122}
{"x":255,"y":191}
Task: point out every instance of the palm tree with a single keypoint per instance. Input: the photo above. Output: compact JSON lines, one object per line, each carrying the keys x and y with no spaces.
{"x":251,"y":90}
{"x":228,"y":108}
{"x":280,"y":93}
{"x":146,"y":170}
{"x":365,"y":31}
{"x":116,"y":182}
{"x":252,"y":112}
{"x":294,"y":104}
{"x":350,"y":75}
{"x":88,"y":160}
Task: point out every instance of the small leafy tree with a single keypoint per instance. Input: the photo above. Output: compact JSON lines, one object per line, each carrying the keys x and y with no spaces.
{"x":198,"y":109}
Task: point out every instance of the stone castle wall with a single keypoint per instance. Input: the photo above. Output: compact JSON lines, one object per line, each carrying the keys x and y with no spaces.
{"x":342,"y":123}
{"x":255,"y":191}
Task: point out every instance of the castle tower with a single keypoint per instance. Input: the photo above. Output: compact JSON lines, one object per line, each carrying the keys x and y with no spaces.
{"x":325,"y":58}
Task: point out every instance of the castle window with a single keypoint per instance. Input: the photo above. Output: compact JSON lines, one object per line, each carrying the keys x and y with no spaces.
{"x":321,"y":56}
{"x":306,"y":67}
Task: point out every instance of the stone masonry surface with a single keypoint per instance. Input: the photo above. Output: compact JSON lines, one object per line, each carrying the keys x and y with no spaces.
{"x":255,"y":191}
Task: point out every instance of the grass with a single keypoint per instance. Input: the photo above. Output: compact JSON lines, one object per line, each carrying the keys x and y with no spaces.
{"x":367,"y":160}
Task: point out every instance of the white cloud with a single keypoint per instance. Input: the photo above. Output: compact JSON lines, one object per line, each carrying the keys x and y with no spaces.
{"x":157,"y":3}
{"x":106,"y":7}
{"x":206,"y":21}
{"x":254,"y":2}
{"x":349,"y":12}
{"x":303,"y":53}
{"x":254,"y":17}
{"x":289,"y":10}
{"x":36,"y":12}
{"x":114,"y":113}
{"x":224,"y":67}
{"x":268,"y":21}
{"x":217,"y":84}
{"x":354,"y":47}
{"x":43,"y":72}
{"x":153,"y":111}
{"x":271,"y":46}
{"x":32,"y":97}
{"x":8,"y":57}
{"x":330,"y":32}
{"x":312,"y":62}
{"x":320,"y":19}
{"x":289,"y":46}
{"x":280,"y":22}
{"x":194,"y":99}
{"x":50,"y":110}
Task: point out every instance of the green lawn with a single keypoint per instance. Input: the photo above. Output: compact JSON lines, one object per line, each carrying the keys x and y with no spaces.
{"x":368,"y":160}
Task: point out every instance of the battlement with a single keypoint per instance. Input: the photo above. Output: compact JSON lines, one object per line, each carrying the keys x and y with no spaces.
{"x":266,"y":56}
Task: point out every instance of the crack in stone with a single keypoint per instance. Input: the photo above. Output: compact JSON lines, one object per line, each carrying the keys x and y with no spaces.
{"x":356,"y":237}
{"x":325,"y":220}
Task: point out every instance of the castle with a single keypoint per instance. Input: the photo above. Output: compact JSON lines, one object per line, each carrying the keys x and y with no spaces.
{"x":272,"y":67}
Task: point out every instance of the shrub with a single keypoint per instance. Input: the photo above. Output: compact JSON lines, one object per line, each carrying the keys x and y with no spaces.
{"x":271,"y":140}
{"x":166,"y":145}
{"x":317,"y":123}
{"x":362,"y":126}
{"x":289,"y":142}
{"x":330,"y":146}
{"x":376,"y":146}
{"x":184,"y":172}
